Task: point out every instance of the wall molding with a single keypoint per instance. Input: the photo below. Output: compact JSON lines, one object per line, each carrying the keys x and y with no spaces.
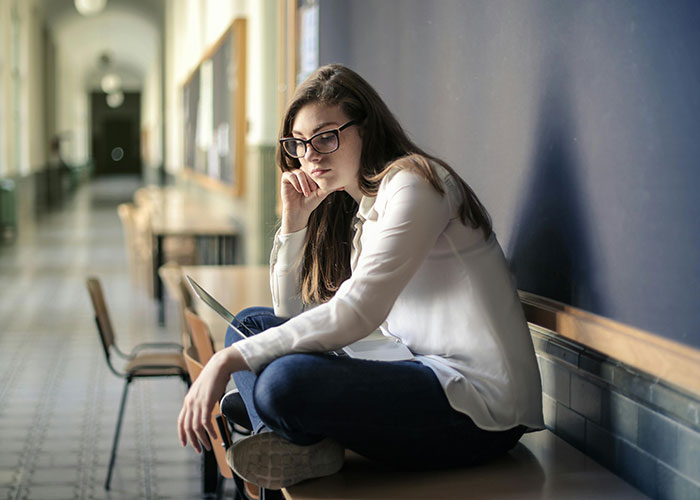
{"x":663,"y":359}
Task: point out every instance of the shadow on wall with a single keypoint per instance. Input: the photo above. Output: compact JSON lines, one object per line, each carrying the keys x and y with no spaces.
{"x":550,"y":251}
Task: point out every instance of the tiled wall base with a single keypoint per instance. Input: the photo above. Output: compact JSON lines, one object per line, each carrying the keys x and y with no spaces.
{"x":646,"y":432}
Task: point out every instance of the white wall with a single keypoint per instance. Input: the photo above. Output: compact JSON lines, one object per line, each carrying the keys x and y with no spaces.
{"x":35,"y":140}
{"x":72,"y":109}
{"x":5,"y":39}
{"x":151,"y":117}
{"x":22,"y":147}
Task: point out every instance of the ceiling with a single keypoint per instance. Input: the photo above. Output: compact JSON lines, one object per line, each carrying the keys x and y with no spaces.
{"x":129,"y":31}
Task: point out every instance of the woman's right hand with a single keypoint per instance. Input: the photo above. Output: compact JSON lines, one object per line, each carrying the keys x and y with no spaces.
{"x":300,"y":196}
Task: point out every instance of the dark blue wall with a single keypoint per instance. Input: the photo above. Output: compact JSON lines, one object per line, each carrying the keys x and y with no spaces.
{"x":576,"y":122}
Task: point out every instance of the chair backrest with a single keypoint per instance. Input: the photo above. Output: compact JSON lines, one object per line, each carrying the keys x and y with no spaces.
{"x":194,"y":367}
{"x":126,"y":216}
{"x":144,"y":196}
{"x":104,"y":324}
{"x":143,"y":237}
{"x":201,"y":338}
{"x":171,"y":276}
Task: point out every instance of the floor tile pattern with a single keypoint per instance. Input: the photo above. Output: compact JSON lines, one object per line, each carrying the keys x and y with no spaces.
{"x":58,"y":400}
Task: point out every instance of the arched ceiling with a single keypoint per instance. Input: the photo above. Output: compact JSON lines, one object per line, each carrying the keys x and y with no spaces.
{"x":129,"y":31}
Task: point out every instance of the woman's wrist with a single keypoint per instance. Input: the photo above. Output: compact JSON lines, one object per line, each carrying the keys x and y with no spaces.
{"x":232,"y":360}
{"x":292,"y":224}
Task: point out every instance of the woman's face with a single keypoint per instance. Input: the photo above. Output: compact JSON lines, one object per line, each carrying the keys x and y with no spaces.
{"x":339,"y":170}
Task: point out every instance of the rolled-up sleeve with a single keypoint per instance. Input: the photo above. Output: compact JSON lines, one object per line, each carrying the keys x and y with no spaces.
{"x":412,"y":215}
{"x":285,"y":273}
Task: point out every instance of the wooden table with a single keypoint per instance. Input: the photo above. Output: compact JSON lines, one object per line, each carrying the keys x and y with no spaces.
{"x":235,"y":287}
{"x":180,"y":214}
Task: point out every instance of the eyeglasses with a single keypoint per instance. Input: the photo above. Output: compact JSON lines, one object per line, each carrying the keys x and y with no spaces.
{"x":324,"y":142}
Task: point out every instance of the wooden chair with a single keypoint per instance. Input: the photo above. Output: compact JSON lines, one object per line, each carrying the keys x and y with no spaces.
{"x":201,"y":337}
{"x":203,"y":348}
{"x":145,"y":360}
{"x":195,"y":367}
{"x":171,"y":275}
{"x":134,"y":251}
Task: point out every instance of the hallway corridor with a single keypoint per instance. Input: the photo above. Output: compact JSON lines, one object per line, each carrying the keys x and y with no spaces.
{"x":58,"y":400}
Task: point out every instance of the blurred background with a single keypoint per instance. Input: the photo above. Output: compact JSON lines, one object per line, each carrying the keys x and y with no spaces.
{"x":574,"y":121}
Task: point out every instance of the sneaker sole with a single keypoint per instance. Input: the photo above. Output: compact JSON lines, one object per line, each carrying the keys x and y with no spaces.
{"x":272,"y":462}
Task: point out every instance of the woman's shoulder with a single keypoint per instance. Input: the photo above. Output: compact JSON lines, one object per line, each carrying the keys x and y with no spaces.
{"x":418,"y":172}
{"x":411,"y":169}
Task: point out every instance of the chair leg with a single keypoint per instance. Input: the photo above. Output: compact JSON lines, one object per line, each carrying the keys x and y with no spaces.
{"x":116,"y":434}
{"x":210,"y":474}
{"x":220,"y":487}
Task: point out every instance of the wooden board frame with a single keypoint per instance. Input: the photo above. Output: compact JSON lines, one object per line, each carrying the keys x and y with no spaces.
{"x":237,"y":33}
{"x":287,"y":41}
{"x":665,"y":359}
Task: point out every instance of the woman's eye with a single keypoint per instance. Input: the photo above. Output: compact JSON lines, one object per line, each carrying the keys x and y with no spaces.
{"x":326,"y":138}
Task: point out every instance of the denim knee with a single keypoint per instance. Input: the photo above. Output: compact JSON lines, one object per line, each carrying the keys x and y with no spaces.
{"x":251,"y":312}
{"x":247,"y":317}
{"x":281,"y":396}
{"x":231,"y":337}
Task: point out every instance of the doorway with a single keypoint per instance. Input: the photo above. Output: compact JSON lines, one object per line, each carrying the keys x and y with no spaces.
{"x":116,"y":144}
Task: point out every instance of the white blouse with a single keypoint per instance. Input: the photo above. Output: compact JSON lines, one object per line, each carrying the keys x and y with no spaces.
{"x":428,"y":281}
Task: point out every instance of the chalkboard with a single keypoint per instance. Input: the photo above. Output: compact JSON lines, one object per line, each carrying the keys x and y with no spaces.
{"x":213,"y":100}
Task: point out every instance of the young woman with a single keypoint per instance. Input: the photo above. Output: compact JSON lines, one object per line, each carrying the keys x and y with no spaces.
{"x":375,"y":234}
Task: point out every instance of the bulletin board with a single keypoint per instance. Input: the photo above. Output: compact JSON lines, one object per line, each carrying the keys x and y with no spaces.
{"x":214,"y":118}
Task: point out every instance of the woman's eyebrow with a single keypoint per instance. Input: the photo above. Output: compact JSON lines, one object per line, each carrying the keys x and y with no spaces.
{"x":319,"y":127}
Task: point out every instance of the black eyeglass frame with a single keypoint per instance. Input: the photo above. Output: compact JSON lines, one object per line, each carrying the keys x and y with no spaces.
{"x":308,"y":142}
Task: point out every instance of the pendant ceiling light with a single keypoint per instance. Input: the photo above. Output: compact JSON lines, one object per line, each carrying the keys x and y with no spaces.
{"x":90,"y":7}
{"x":110,"y":82}
{"x":115,"y":99}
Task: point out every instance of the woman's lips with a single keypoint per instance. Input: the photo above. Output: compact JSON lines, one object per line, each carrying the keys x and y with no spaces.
{"x":319,"y":171}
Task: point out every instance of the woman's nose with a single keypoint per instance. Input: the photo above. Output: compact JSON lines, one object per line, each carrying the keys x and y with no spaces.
{"x":311,"y":154}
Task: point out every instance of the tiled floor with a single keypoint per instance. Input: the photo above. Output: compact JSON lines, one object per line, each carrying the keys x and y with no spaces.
{"x":58,"y":400}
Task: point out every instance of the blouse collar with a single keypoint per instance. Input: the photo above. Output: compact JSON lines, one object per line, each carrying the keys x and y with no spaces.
{"x":366,"y":206}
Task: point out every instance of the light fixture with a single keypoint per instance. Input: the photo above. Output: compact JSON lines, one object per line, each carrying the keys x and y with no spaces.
{"x":110,"y":82}
{"x":115,"y":99}
{"x":90,"y":7}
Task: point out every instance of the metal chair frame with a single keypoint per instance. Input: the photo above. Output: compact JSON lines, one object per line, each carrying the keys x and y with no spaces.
{"x":145,"y":370}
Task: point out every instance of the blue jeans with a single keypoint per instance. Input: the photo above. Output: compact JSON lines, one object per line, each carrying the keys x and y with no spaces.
{"x":394,"y":412}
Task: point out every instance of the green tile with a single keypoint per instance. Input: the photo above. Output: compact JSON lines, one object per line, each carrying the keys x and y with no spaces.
{"x":571,"y":426}
{"x":676,"y":405}
{"x":658,"y":436}
{"x":671,"y":485}
{"x":586,"y":398}
{"x":637,"y":467}
{"x":688,"y":457}
{"x":632,"y":384}
{"x":555,"y":380}
{"x":563,"y":353}
{"x":600,"y":445}
{"x":620,"y":415}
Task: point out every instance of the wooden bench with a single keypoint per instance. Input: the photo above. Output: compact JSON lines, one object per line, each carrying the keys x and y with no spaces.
{"x":541,"y":465}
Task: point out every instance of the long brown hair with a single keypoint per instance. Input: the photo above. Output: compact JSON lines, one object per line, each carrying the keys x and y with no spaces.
{"x":326,"y":258}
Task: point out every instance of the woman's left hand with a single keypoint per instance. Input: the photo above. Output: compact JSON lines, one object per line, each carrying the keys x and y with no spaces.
{"x":195,"y":417}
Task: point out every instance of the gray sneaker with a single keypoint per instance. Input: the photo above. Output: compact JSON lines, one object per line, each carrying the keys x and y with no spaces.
{"x":270,"y":461}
